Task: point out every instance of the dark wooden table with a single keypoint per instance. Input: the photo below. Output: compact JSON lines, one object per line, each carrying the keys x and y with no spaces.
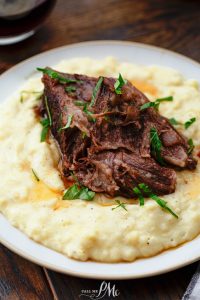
{"x":172,"y":24}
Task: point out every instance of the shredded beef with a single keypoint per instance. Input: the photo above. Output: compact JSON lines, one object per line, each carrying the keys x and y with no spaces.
{"x":109,"y":149}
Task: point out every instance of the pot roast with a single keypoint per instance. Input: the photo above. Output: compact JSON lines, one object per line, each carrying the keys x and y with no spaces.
{"x":105,"y":139}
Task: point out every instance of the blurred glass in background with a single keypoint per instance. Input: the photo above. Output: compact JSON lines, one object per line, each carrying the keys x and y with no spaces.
{"x":19,"y":19}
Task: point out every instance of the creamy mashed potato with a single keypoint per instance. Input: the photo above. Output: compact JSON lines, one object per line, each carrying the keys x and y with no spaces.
{"x":92,"y":230}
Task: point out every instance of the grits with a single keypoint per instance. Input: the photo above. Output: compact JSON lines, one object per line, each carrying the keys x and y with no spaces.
{"x":92,"y":230}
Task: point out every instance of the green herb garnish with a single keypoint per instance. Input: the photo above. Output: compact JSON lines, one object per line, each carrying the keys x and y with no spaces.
{"x":80,"y":103}
{"x":120,"y":204}
{"x":191,"y":146}
{"x":22,"y":93}
{"x":189,"y":123}
{"x":35,"y":175}
{"x":143,"y":188}
{"x":55,"y":75}
{"x":69,"y":121}
{"x":71,"y":193}
{"x":156,"y":103}
{"x":156,"y":145}
{"x":46,"y":125}
{"x":163,"y":204}
{"x":48,"y":111}
{"x":85,"y":109}
{"x":86,"y":194}
{"x":75,"y":192}
{"x":95,"y":91}
{"x":119,"y":84}
{"x":173,"y":121}
{"x":139,"y":194}
{"x":70,"y":89}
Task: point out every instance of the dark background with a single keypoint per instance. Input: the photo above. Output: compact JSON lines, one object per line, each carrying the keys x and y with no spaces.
{"x":170,"y":24}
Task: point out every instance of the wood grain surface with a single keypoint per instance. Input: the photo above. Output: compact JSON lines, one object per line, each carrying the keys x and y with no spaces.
{"x":172,"y":24}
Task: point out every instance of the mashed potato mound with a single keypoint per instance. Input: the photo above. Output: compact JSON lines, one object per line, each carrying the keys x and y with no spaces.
{"x":92,"y":230}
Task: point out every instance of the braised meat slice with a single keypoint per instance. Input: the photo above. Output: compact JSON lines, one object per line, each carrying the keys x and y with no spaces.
{"x":105,"y":138}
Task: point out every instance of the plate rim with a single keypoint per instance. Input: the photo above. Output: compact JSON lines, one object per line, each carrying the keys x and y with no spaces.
{"x":101,"y":42}
{"x":48,"y":265}
{"x":77,"y":273}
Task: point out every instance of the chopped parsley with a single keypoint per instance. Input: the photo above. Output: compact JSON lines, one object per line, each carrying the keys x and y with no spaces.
{"x":85,"y":109}
{"x":119,"y":84}
{"x":46,"y":122}
{"x":189,"y":123}
{"x":55,"y":75}
{"x":69,"y":121}
{"x":156,"y":103}
{"x":163,"y":204}
{"x":46,"y":125}
{"x":70,"y":89}
{"x":120,"y":204}
{"x":143,"y":188}
{"x":48,"y":111}
{"x":71,"y":193}
{"x":35,"y":175}
{"x":173,"y":121}
{"x":191,"y":146}
{"x":76,"y":192}
{"x":138,"y":193}
{"x":95,"y":91}
{"x":156,"y":144}
{"x":80,"y":103}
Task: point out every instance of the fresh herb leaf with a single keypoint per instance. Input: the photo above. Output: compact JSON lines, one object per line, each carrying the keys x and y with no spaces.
{"x":163,"y":204}
{"x":80,"y":103}
{"x":119,"y":84}
{"x":70,"y":89}
{"x":48,"y":111}
{"x":45,"y":122}
{"x":95,"y":91}
{"x":156,"y":144}
{"x":173,"y":121}
{"x":86,"y":194}
{"x":138,"y":193}
{"x":55,"y":75}
{"x":169,"y":98}
{"x":189,"y":123}
{"x":35,"y":175}
{"x":76,"y":192}
{"x":120,"y":204}
{"x":191,"y":146}
{"x":143,"y":188}
{"x":156,"y":103}
{"x":147,"y":105}
{"x":85,"y":109}
{"x":71,"y":193}
{"x":46,"y":125}
{"x":22,"y":93}
{"x":69,"y":121}
{"x":89,"y":113}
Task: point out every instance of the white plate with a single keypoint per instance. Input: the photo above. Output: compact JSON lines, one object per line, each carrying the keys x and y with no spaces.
{"x":19,"y":243}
